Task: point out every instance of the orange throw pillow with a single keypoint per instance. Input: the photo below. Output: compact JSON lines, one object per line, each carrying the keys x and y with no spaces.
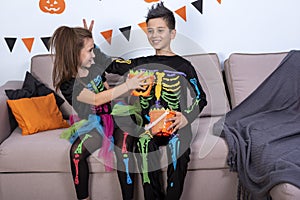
{"x":37,"y":114}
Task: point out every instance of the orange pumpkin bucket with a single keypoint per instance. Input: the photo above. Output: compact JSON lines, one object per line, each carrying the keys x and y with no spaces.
{"x":160,"y":127}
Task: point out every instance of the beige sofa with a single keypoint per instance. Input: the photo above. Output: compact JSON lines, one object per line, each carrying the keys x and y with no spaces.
{"x":37,"y":166}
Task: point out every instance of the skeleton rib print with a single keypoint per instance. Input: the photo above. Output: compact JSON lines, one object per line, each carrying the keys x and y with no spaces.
{"x":167,"y":86}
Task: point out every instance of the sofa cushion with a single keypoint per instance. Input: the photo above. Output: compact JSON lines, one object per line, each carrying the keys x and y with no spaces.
{"x":209,"y":73}
{"x":46,"y":152}
{"x":44,"y":114}
{"x":285,"y":191}
{"x":43,"y":152}
{"x":245,"y":72}
{"x":5,"y":128}
{"x":207,"y":150}
{"x":41,"y":68}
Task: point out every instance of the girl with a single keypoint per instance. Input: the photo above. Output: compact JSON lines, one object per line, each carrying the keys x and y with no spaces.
{"x":81,"y":82}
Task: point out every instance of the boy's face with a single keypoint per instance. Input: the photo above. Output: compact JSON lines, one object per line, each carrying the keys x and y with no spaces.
{"x":159,"y":35}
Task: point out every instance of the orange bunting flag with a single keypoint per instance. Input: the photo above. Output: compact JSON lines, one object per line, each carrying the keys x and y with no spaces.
{"x":28,"y":43}
{"x":220,"y":1}
{"x":107,"y":35}
{"x":143,"y":26}
{"x":181,"y":12}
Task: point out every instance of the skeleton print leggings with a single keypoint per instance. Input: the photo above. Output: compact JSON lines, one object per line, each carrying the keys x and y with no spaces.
{"x":80,"y":150}
{"x":178,"y":152}
{"x":86,"y":144}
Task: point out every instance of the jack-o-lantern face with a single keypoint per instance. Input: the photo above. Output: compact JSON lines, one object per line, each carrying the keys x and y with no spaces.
{"x":150,"y":1}
{"x":52,"y":6}
{"x":147,"y":88}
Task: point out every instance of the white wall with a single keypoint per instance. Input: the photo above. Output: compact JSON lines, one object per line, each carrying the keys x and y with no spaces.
{"x":232,"y":26}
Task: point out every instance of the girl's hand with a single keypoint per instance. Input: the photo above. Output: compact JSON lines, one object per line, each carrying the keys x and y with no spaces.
{"x":137,"y":81}
{"x":90,"y":28}
{"x":178,"y":121}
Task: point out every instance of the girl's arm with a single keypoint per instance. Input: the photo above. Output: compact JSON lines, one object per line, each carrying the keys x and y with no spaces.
{"x":89,"y":97}
{"x":106,"y":85}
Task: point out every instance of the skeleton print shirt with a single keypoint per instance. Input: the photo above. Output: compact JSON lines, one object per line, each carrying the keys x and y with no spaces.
{"x":174,"y":79}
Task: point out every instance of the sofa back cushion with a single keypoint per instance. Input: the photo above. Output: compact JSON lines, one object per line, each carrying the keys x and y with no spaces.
{"x":209,"y":74}
{"x":207,"y":67}
{"x":245,"y":72}
{"x":41,"y":68}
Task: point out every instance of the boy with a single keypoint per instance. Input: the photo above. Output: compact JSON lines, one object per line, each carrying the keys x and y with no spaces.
{"x":173,"y":75}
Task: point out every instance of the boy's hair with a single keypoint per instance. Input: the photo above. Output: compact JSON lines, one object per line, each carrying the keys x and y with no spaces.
{"x":160,"y":11}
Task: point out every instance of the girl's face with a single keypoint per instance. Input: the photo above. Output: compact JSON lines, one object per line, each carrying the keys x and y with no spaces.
{"x":87,"y":53}
{"x":160,"y":36}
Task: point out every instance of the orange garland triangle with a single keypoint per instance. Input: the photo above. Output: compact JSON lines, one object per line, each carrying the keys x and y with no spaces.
{"x":28,"y":43}
{"x":181,"y":12}
{"x":143,"y":26}
{"x":220,"y":1}
{"x":107,"y":35}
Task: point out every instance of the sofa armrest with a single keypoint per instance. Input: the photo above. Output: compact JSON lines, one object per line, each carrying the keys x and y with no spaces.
{"x":4,"y":119}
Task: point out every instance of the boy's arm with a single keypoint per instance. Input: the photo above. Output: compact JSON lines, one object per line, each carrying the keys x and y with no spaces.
{"x":120,"y":66}
{"x":197,"y":94}
{"x":190,"y":113}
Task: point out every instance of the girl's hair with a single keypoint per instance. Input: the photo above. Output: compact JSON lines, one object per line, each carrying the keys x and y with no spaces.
{"x":160,"y":11}
{"x":66,"y":43}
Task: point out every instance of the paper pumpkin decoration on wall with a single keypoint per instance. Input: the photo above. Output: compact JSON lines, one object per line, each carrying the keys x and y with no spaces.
{"x":52,"y":6}
{"x":150,"y":1}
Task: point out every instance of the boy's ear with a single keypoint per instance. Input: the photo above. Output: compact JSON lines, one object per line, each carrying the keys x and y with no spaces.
{"x":173,"y":33}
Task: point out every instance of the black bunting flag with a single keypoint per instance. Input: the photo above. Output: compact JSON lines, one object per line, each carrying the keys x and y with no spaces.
{"x":46,"y":42}
{"x":126,"y":32}
{"x":198,"y":5}
{"x":10,"y":43}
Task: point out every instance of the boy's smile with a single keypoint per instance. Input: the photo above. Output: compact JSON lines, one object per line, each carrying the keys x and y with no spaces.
{"x":160,"y":36}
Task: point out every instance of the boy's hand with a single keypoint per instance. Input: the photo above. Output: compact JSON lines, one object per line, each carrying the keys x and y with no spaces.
{"x":90,"y":28}
{"x":179,"y":121}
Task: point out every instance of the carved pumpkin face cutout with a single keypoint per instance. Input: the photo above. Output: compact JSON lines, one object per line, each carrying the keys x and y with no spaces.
{"x":150,"y":1}
{"x":52,"y":6}
{"x":147,"y":88}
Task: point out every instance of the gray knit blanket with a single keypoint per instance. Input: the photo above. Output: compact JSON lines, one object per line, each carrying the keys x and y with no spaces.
{"x":263,"y":133}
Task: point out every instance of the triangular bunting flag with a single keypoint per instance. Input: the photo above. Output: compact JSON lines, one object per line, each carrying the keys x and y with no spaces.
{"x":143,"y":26}
{"x":199,"y":5}
{"x":126,"y":32}
{"x":107,"y":35}
{"x":219,"y":1}
{"x":181,"y":12}
{"x":10,"y":43}
{"x":46,"y":42}
{"x":28,"y":43}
